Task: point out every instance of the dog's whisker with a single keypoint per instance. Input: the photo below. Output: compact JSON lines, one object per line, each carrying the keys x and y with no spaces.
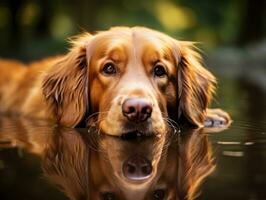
{"x":95,"y":114}
{"x":96,"y":122}
{"x":172,"y":124}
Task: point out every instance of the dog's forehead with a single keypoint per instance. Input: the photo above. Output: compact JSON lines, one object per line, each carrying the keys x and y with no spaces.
{"x":145,"y":41}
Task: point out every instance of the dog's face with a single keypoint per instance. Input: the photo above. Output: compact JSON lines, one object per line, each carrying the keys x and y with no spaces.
{"x":132,"y":81}
{"x":129,"y":80}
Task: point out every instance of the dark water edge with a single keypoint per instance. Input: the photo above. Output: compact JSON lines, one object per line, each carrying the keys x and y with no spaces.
{"x":38,"y":161}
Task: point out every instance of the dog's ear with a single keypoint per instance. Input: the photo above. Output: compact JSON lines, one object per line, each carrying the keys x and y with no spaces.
{"x":195,"y":84}
{"x":65,"y":86}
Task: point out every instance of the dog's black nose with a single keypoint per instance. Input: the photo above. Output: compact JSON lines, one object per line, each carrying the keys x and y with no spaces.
{"x":137,"y":109}
{"x":137,"y":168}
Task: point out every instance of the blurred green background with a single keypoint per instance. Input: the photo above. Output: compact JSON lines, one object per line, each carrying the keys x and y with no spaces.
{"x":232,"y":33}
{"x":31,"y":29}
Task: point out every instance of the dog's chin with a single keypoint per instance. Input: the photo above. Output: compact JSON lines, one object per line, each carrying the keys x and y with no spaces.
{"x":131,"y":134}
{"x":129,"y":130}
{"x":138,"y":130}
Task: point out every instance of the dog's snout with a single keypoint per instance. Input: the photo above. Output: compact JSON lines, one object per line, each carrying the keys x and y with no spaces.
{"x":137,"y":109}
{"x":137,"y":168}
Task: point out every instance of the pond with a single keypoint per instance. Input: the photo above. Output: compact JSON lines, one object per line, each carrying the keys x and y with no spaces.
{"x":38,"y":161}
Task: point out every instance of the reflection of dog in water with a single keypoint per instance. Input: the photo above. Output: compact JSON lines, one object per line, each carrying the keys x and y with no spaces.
{"x":104,"y":167}
{"x":123,"y":169}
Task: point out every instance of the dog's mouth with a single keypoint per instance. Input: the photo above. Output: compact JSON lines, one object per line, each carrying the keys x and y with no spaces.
{"x":126,"y":132}
{"x":135,"y":134}
{"x":137,"y":130}
{"x":124,"y":129}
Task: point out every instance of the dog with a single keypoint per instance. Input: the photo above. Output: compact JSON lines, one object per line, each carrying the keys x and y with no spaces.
{"x":123,"y":80}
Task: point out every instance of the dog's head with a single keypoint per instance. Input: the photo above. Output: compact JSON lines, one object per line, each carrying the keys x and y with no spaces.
{"x":129,"y":80}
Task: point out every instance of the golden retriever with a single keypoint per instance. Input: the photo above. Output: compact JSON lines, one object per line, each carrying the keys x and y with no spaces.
{"x":123,"y":80}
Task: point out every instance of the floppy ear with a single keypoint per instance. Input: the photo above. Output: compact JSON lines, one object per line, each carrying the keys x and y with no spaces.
{"x":65,"y":86}
{"x":195,"y":85}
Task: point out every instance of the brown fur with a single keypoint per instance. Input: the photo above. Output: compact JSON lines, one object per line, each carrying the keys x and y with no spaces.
{"x":70,"y":88}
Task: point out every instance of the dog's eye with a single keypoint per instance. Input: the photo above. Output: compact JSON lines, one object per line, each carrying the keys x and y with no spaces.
{"x":109,"y":69}
{"x":159,"y":70}
{"x":158,"y":194}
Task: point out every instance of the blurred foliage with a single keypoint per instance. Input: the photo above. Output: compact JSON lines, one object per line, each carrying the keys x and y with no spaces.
{"x":35,"y":28}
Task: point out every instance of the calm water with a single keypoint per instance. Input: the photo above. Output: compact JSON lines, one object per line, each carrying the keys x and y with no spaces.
{"x":38,"y":161}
